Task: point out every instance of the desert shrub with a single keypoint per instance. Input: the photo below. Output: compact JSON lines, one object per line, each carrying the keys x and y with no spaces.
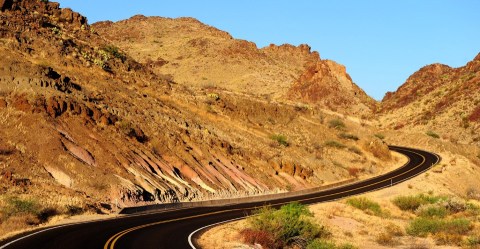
{"x":17,"y":206}
{"x":432,"y":211}
{"x":323,"y":244}
{"x":448,"y":239}
{"x":346,"y":246}
{"x":394,"y":230}
{"x":115,"y":52}
{"x":288,"y":223}
{"x":280,"y":139}
{"x":213,"y":96}
{"x":472,"y":209}
{"x":432,"y":134}
{"x":424,"y":226}
{"x":411,"y":203}
{"x":348,"y":136}
{"x":20,"y":213}
{"x":455,"y":205}
{"x":380,"y":136}
{"x":335,"y":144}
{"x":336,"y":123}
{"x":473,"y":241}
{"x":385,"y":239}
{"x":365,"y":204}
{"x":355,"y":150}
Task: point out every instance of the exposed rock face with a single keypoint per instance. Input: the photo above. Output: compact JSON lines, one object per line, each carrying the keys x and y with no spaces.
{"x":79,"y":152}
{"x":328,"y":83}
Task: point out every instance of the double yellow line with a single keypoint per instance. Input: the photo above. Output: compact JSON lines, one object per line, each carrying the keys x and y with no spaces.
{"x":110,"y":244}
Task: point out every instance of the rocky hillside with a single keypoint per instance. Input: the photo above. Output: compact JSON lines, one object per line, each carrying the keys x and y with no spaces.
{"x":440,"y":100}
{"x":195,"y":54}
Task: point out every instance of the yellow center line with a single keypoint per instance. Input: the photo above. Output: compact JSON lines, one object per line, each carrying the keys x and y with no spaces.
{"x":110,"y":244}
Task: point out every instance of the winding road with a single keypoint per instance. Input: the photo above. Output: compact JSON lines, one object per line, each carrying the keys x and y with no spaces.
{"x":178,"y":228}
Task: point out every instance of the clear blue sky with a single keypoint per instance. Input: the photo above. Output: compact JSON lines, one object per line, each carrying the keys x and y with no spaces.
{"x":380,"y":42}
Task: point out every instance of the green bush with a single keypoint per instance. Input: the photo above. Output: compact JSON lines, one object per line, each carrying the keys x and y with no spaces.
{"x":473,"y":241}
{"x":355,"y":150}
{"x":432,"y":211}
{"x":335,"y":144}
{"x":323,"y":244}
{"x":365,"y":204}
{"x":18,"y":206}
{"x":280,"y":139}
{"x":432,"y":134}
{"x":337,"y":124}
{"x":348,"y":136}
{"x":424,"y":226}
{"x":287,"y":223}
{"x":115,"y":52}
{"x":380,"y":136}
{"x":411,"y":203}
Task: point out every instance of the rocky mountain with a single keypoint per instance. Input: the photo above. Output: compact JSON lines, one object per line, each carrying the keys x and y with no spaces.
{"x":439,"y":99}
{"x":195,"y":54}
{"x":89,"y":123}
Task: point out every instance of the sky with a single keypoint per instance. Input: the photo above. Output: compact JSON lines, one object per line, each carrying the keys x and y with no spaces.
{"x":381,"y":43}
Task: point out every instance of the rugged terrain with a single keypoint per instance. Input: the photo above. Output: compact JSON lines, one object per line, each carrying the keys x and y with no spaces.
{"x":195,"y":54}
{"x":90,"y":125}
{"x":151,"y":110}
{"x":440,"y":99}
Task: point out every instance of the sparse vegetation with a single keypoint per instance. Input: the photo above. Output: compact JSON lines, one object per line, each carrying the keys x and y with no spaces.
{"x":337,"y":124}
{"x":348,"y":136}
{"x":432,"y":211}
{"x":411,"y":203}
{"x":473,"y":241}
{"x":324,"y":244}
{"x":432,"y":134}
{"x":380,"y":136}
{"x":335,"y":144}
{"x":424,"y":226}
{"x":213,"y":96}
{"x":291,"y":224}
{"x":355,"y":150}
{"x":115,"y":52}
{"x":366,"y":205}
{"x":280,"y":139}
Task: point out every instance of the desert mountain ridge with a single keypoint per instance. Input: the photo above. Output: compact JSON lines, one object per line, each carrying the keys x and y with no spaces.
{"x":155,"y":110}
{"x":196,"y":54}
{"x":439,"y":98}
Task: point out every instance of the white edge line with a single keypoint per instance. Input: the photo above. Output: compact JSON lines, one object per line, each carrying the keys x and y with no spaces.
{"x":83,"y":222}
{"x":211,"y":225}
{"x":35,"y":233}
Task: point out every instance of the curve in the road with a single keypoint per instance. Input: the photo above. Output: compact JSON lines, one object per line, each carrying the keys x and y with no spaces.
{"x":170,"y":229}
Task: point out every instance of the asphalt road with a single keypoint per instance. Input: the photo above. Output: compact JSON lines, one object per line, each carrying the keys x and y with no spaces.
{"x":171,"y":229}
